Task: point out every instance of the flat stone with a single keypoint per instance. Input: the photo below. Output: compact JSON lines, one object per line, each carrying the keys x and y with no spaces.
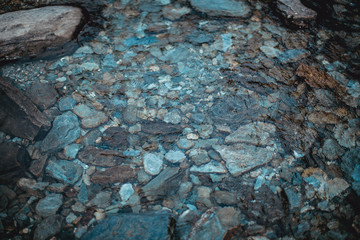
{"x":257,"y":133}
{"x":49,"y":205}
{"x":101,"y":200}
{"x":173,"y":13}
{"x":65,"y":171}
{"x":199,"y":156}
{"x":71,"y":150}
{"x":241,"y":158}
{"x":225,"y":197}
{"x":152,"y":164}
{"x":295,"y":13}
{"x":161,"y":184}
{"x":48,"y":227}
{"x":270,"y":52}
{"x":116,"y":174}
{"x":14,"y":161}
{"x":133,"y":226}
{"x":90,"y":118}
{"x":65,"y":130}
{"x":28,"y":32}
{"x":162,"y":128}
{"x":101,"y":157}
{"x":219,"y":8}
{"x":116,"y":137}
{"x":18,"y":115}
{"x":42,"y":94}
{"x":67,"y":103}
{"x":126,"y":191}
{"x":323,"y":118}
{"x":185,"y":144}
{"x":175,"y":156}
{"x":211,"y":167}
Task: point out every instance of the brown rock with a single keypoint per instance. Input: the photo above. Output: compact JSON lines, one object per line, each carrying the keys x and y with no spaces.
{"x":28,"y":32}
{"x":295,"y":13}
{"x":323,"y":118}
{"x":112,"y":175}
{"x":18,"y":115}
{"x":14,"y":160}
{"x":42,"y":94}
{"x":316,"y":78}
{"x":156,"y":128}
{"x":116,"y":137}
{"x":99,"y":157}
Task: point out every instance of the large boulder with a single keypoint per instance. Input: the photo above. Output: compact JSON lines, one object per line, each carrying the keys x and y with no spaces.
{"x":27,"y":33}
{"x":18,"y":115}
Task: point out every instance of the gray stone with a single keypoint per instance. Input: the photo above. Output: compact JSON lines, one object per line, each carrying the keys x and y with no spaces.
{"x":48,"y":227}
{"x":67,"y":103}
{"x":67,"y":172}
{"x":175,"y":156}
{"x":101,"y":200}
{"x":295,"y":13}
{"x":126,"y":191}
{"x":332,"y":150}
{"x":161,"y":184}
{"x":18,"y":115}
{"x":227,"y":8}
{"x":28,"y":32}
{"x":199,"y":156}
{"x":133,"y":226}
{"x":90,"y":118}
{"x":101,"y":157}
{"x":270,"y":52}
{"x":42,"y":94}
{"x":90,"y":66}
{"x":174,"y":13}
{"x":241,"y":158}
{"x":345,"y":135}
{"x":65,"y":130}
{"x":49,"y":205}
{"x":113,"y":175}
{"x":211,"y":167}
{"x":152,"y":164}
{"x":185,"y":144}
{"x":225,"y":197}
{"x":71,"y":150}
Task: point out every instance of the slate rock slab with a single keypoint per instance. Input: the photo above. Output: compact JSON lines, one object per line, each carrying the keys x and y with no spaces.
{"x":101,"y":157}
{"x":48,"y":227}
{"x":42,"y":94}
{"x":14,"y":160}
{"x":133,"y":226}
{"x":26,"y":33}
{"x":160,"y":128}
{"x":65,"y":171}
{"x":18,"y":115}
{"x":295,"y":13}
{"x":227,"y":8}
{"x":65,"y":130}
{"x":116,"y":174}
{"x":116,"y":137}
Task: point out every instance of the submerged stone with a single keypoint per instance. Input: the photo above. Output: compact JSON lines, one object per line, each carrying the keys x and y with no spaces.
{"x":152,"y":164}
{"x":49,"y":205}
{"x":65,"y":171}
{"x":48,"y":227}
{"x":226,"y":8}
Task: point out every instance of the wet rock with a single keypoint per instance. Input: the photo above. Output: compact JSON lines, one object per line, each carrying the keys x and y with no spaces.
{"x":229,"y":217}
{"x":90,"y":118}
{"x":258,"y":133}
{"x":133,"y":226}
{"x":322,"y":118}
{"x":175,"y":156}
{"x":28,"y":32}
{"x":270,"y":52}
{"x":241,"y":158}
{"x":293,"y":55}
{"x":203,"y":196}
{"x":65,"y":130}
{"x":295,"y":13}
{"x":162,"y":128}
{"x":18,"y":115}
{"x":65,"y":171}
{"x":224,"y":197}
{"x":126,"y":191}
{"x":199,"y":156}
{"x":162,"y":184}
{"x":130,"y":114}
{"x":345,"y":135}
{"x":116,"y":137}
{"x":70,"y":151}
{"x":227,"y":8}
{"x":50,"y":226}
{"x":331,"y":149}
{"x":185,"y":144}
{"x":101,"y":200}
{"x":99,"y":157}
{"x":67,"y":103}
{"x":31,"y":186}
{"x":120,"y":173}
{"x":152,"y":164}
{"x":211,"y":167}
{"x":37,"y":165}
{"x":42,"y":94}
{"x":174,"y":13}
{"x":49,"y":205}
{"x":14,"y":161}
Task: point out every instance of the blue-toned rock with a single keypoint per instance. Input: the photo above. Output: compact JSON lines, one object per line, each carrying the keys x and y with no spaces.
{"x":49,"y":205}
{"x":293,"y":55}
{"x":67,"y":103}
{"x":65,"y":171}
{"x":109,"y":61}
{"x":227,"y":8}
{"x":134,"y":41}
{"x":65,"y":130}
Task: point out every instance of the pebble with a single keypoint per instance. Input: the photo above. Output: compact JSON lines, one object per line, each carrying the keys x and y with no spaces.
{"x":126,"y":191}
{"x":175,"y":156}
{"x":49,"y":205}
{"x":153,"y":164}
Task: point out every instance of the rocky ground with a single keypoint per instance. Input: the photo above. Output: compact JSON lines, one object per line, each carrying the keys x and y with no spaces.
{"x":183,"y":120}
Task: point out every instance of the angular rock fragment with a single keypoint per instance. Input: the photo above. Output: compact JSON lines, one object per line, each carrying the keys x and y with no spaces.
{"x":14,"y":161}
{"x":222,"y":8}
{"x":18,"y":115}
{"x":49,"y":205}
{"x":134,"y":226}
{"x":65,"y":171}
{"x":294,"y":12}
{"x":27,"y":33}
{"x":42,"y":94}
{"x":65,"y":130}
{"x":116,"y":137}
{"x":101,"y":157}
{"x":162,"y":128}
{"x":116,"y":174}
{"x":48,"y":227}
